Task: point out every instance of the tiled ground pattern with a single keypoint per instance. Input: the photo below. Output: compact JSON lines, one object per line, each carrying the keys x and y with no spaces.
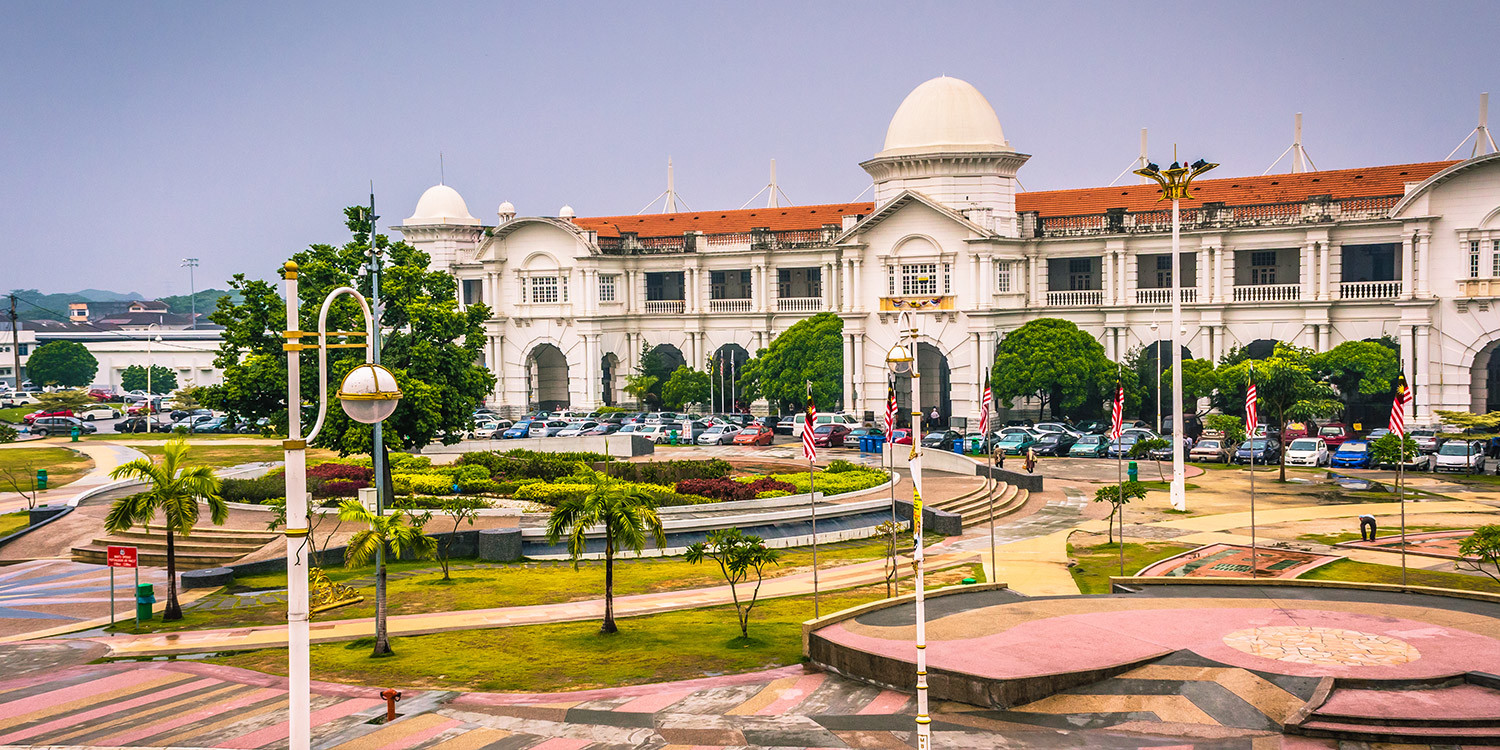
{"x":1233,"y":561}
{"x":47,"y":593}
{"x":1443,"y":544}
{"x":1302,"y":644}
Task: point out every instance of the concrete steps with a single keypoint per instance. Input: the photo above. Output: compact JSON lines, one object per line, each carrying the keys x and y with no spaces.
{"x":973,"y":507}
{"x":206,"y":548}
{"x":1459,"y":714}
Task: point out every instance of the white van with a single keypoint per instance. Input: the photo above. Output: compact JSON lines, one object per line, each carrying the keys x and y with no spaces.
{"x":844,"y":419}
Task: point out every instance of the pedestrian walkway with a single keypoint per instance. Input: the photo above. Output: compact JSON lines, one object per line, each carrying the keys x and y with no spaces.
{"x":106,"y":456}
{"x":53,"y":593}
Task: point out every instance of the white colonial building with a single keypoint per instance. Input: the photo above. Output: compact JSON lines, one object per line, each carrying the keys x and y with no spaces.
{"x":1409,"y":251}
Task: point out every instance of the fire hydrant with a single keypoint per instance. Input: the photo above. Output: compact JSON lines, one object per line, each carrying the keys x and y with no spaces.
{"x":391,"y":696}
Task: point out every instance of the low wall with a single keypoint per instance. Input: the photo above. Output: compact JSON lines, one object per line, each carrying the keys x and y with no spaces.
{"x":619,"y":446}
{"x":464,"y":544}
{"x":936,"y":459}
{"x":38,"y":517}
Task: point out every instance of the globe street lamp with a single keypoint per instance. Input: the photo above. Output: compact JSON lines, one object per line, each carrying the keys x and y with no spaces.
{"x":369,"y":393}
{"x":901,"y":359}
{"x":1174,"y":182}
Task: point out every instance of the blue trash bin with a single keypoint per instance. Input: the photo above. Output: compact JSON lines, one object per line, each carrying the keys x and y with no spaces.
{"x":958,"y":446}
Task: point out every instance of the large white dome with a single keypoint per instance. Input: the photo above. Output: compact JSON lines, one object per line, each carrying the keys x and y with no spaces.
{"x":441,"y":205}
{"x":944,"y":114}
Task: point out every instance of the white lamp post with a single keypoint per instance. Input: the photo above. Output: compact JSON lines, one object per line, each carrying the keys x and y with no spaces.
{"x":902,"y":359}
{"x":368,"y":394}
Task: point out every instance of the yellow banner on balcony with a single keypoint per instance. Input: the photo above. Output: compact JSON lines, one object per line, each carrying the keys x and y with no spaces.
{"x":944,"y":302}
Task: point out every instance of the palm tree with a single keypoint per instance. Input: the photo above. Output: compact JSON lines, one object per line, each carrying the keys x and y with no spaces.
{"x":399,"y":534}
{"x":626,"y":515}
{"x":175,"y":490}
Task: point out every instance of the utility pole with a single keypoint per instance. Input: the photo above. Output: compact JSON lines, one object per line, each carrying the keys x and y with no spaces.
{"x":15,"y":342}
{"x":190,"y":264}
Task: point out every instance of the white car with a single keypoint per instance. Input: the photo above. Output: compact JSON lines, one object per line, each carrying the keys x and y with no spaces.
{"x":98,"y":412}
{"x":718,"y":434}
{"x":576,"y":429}
{"x":19,"y":398}
{"x":1424,"y":437}
{"x":1461,"y":456}
{"x":1307,"y":451}
{"x":486,"y":429}
{"x":844,"y":419}
{"x":656,"y":432}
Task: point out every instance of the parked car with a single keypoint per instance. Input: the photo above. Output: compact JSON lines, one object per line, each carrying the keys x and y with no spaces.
{"x":1377,"y":433}
{"x":860,"y":432}
{"x":32,"y":417}
{"x":719,"y":434}
{"x":99,"y":412}
{"x":1420,"y":461}
{"x":1294,"y":430}
{"x":1352,"y":454}
{"x":604,"y":428}
{"x":901,"y":436}
{"x":830,"y":435}
{"x":44,"y":426}
{"x":19,"y":398}
{"x":1308,"y":451}
{"x":518,"y":430}
{"x":141,"y":424}
{"x":940,"y":439}
{"x":102,"y":395}
{"x":1466,"y":456}
{"x":756,"y":434}
{"x":190,"y":422}
{"x":1056,"y":443}
{"x":1210,"y":450}
{"x":655,"y":432}
{"x":1046,"y":427}
{"x":1015,"y":443}
{"x":1122,"y":447}
{"x":1090,"y":446}
{"x":1262,"y":450}
{"x":1425,"y":438}
{"x":1164,"y":453}
{"x":550,"y":428}
{"x":784,"y":425}
{"x":847,"y":420}
{"x":1335,"y":433}
{"x":576,"y":429}
{"x":1093,"y":426}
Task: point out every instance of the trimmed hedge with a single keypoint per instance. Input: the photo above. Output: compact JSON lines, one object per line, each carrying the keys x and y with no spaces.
{"x":723,"y":490}
{"x":255,"y":491}
{"x":552,"y":494}
{"x":837,"y":483}
{"x":668,"y":472}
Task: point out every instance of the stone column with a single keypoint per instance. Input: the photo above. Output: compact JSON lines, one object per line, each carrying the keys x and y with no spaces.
{"x":1407,"y":285}
{"x":827,"y":285}
{"x":1108,"y":261}
{"x":1408,"y":351}
{"x":761,"y":290}
{"x":1424,"y":264}
{"x":856,"y":295}
{"x":1325,"y":283}
{"x":1423,"y":374}
{"x":499,"y":367}
{"x":1203,"y":274}
{"x":1308,"y":266}
{"x":848,"y":363}
{"x":859,"y":371}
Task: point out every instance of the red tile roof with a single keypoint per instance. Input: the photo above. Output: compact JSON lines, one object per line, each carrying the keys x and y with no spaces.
{"x":724,"y":222}
{"x":1365,"y":182}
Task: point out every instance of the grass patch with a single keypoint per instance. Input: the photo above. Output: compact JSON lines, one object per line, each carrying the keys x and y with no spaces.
{"x":500,"y":585}
{"x":159,"y":436}
{"x":10,"y":523}
{"x":63,"y":466}
{"x":222,"y":456}
{"x":574,"y":656}
{"x":1165,"y":486}
{"x":1359,"y":572}
{"x":1349,"y":536}
{"x":1094,"y":565}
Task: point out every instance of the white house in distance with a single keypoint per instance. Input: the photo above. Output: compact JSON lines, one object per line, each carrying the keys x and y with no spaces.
{"x":1410,"y":251}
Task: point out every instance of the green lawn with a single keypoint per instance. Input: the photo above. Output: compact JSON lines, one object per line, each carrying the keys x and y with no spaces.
{"x":221,"y":456}
{"x":1358,"y":572}
{"x":10,"y":523}
{"x":1349,"y":536}
{"x":160,"y":436}
{"x":1167,"y":485}
{"x":574,"y":656}
{"x":1096,"y":564}
{"x":502,"y":585}
{"x":62,"y":465}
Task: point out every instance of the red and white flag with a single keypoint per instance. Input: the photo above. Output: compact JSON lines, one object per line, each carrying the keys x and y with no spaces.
{"x":890,"y":408}
{"x":1252,"y":413}
{"x":1117,"y":412}
{"x":1397,"y":425}
{"x":984,"y":407}
{"x":809,"y":451}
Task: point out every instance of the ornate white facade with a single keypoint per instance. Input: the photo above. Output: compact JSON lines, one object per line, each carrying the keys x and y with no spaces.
{"x":1314,"y":258}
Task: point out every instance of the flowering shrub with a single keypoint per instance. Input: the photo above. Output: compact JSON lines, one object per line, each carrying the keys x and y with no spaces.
{"x":723,"y":490}
{"x":769,"y":484}
{"x":342,"y":488}
{"x":334,"y":470}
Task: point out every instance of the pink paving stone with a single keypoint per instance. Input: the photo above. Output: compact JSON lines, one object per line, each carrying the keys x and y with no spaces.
{"x":793,"y":695}
{"x":277,"y":732}
{"x":650,"y":704}
{"x":633,"y":691}
{"x":563,"y":743}
{"x":417,"y":738}
{"x":1458,"y":702}
{"x":182,"y":720}
{"x":50,"y":698}
{"x":888,"y":702}
{"x":68,"y":720}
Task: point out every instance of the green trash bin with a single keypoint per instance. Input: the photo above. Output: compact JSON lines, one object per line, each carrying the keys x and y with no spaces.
{"x":145,"y":596}
{"x":74,"y":433}
{"x":41,"y":479}
{"x":1132,"y":472}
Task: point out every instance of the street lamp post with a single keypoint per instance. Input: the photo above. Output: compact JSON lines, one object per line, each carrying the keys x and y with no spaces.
{"x":1174,"y":182}
{"x":190,"y":264}
{"x":368,"y":395}
{"x":902,"y":359}
{"x":1156,"y":356}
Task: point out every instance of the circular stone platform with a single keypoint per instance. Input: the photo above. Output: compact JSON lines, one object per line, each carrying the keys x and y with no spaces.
{"x":997,"y":649}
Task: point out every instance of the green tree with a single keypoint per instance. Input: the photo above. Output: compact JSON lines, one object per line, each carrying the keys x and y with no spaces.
{"x":686,"y":386}
{"x":1143,"y":448}
{"x":64,"y":363}
{"x":430,"y":345}
{"x":1479,"y":426}
{"x":1233,"y":427}
{"x":1118,"y":496}
{"x":460,"y":508}
{"x":399,"y":534}
{"x":173,"y":491}
{"x":738,"y":555}
{"x":1362,"y":371}
{"x":1057,"y":364}
{"x":1480,"y":552}
{"x":1388,"y":449}
{"x":189,"y":397}
{"x":69,"y":400}
{"x":626,"y":515}
{"x":163,"y":380}
{"x":1199,"y":381}
{"x":1286,"y":387}
{"x":811,"y":350}
{"x":640,"y":386}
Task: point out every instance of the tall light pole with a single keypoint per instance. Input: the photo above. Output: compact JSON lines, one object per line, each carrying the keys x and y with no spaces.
{"x":368,"y":394}
{"x":1156,"y":349}
{"x":1174,"y":182}
{"x":151,"y":409}
{"x":901,"y":359}
{"x":190,"y":264}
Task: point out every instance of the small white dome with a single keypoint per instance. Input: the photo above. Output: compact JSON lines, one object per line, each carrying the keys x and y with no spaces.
{"x":441,"y":205}
{"x":566,"y":212}
{"x":944,"y":114}
{"x":507,"y":208}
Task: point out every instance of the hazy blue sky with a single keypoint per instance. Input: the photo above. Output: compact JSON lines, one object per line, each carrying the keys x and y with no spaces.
{"x":134,"y":134}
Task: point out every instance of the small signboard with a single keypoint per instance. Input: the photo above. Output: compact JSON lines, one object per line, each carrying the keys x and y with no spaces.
{"x":121,"y":557}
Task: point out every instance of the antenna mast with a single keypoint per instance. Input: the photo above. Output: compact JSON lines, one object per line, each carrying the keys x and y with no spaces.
{"x":776,"y":195}
{"x":1484,"y":143}
{"x":1300,"y":159}
{"x":669,"y":205}
{"x":1139,"y":163}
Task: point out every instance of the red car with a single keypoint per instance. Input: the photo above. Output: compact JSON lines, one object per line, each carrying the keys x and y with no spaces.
{"x":32,"y":417}
{"x":830,"y":435}
{"x":1334,"y":434}
{"x":755,"y":434}
{"x":901,"y":436}
{"x":100,"y":395}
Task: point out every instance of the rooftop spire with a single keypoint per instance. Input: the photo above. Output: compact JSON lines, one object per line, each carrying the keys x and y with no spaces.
{"x":1300,"y":159}
{"x":1484,"y":143}
{"x":773,"y":199}
{"x":669,"y":205}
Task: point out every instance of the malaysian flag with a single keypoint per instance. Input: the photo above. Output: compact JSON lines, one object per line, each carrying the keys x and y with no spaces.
{"x":1252,"y":414}
{"x":890,"y":408}
{"x":809,"y":451}
{"x":1398,"y":407}
{"x":984,"y":407}
{"x":1117,"y":412}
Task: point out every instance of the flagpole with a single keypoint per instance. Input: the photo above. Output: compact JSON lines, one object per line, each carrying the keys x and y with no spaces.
{"x":1117,"y":421}
{"x":1253,"y":550}
{"x":989,"y":481}
{"x":1401,"y":498}
{"x":812,"y":493}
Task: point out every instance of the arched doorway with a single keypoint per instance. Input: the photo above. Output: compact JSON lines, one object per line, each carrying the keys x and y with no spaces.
{"x":547,"y":378}
{"x":609,"y":367}
{"x":724,"y":368}
{"x":937,"y":388}
{"x":1261,"y":348}
{"x":1156,"y":401}
{"x":1484,"y":380}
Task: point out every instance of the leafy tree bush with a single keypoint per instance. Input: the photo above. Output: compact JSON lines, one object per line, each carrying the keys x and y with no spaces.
{"x":839,"y":466}
{"x":1481,"y":551}
{"x":341,"y":488}
{"x":686,"y":386}
{"x":258,"y":491}
{"x":1056,"y":363}
{"x":833,"y":484}
{"x":668,"y":472}
{"x":1286,"y":387}
{"x":334,"y":470}
{"x":1233,"y":427}
{"x":65,"y":363}
{"x":811,"y":350}
{"x":1118,"y":495}
{"x":763,"y":485}
{"x":1387,"y":449}
{"x":738,"y":555}
{"x":163,"y":380}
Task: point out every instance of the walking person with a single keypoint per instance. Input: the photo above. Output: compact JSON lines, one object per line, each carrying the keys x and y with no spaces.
{"x":1030,"y":460}
{"x":1367,"y":522}
{"x":933,"y":419}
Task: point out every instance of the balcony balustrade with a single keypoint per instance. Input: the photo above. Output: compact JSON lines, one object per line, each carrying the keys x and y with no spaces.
{"x":1164,"y":296}
{"x":1079,"y":298}
{"x":1211,"y":216}
{"x":743,"y":305}
{"x":1481,"y":288}
{"x":665,"y":306}
{"x":1268,"y":293}
{"x":1369,"y":289}
{"x":799,"y":304}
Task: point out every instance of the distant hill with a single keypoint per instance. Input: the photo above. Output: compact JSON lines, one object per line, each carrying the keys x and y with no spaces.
{"x":103,"y":295}
{"x":33,"y":305}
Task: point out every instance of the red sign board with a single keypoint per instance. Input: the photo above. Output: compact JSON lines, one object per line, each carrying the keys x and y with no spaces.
{"x":121,"y":557}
